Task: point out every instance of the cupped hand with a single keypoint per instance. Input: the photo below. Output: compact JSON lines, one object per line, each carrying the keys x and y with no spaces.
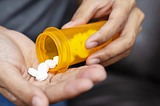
{"x":124,"y":18}
{"x":17,"y":54}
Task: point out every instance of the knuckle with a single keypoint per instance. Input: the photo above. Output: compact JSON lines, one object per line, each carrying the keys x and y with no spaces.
{"x":100,"y":33}
{"x":103,"y":56}
{"x":120,"y":20}
{"x":121,"y":23}
{"x":84,"y":19}
{"x":140,"y":13}
{"x":106,"y":55}
{"x":100,"y":37}
{"x":126,"y":54}
{"x":133,"y":2}
{"x":130,"y":42}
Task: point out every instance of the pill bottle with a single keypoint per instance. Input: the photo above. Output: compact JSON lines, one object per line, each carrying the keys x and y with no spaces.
{"x":68,"y":44}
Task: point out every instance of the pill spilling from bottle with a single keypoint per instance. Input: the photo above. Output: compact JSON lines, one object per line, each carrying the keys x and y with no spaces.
{"x":41,"y":74}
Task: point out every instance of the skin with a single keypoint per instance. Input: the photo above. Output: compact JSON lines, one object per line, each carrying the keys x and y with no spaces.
{"x":17,"y":54}
{"x":123,"y":17}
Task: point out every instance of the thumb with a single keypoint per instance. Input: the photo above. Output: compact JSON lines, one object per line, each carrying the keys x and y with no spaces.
{"x":83,"y":14}
{"x":22,"y":89}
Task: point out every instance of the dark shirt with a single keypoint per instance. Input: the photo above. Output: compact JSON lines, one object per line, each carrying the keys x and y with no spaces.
{"x":31,"y":17}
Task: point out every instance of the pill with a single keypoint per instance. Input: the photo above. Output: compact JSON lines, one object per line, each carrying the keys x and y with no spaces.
{"x":83,"y":52}
{"x":73,"y":50}
{"x":77,"y":36}
{"x":51,"y":63}
{"x":84,"y":37}
{"x":75,"y":43}
{"x":56,"y":59}
{"x":90,"y":32}
{"x":42,"y":75}
{"x":43,"y":67}
{"x":32,"y":72}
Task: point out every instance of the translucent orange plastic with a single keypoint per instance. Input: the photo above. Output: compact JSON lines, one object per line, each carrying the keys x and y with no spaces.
{"x":68,"y":44}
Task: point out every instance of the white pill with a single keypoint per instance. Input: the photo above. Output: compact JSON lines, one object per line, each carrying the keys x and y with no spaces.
{"x":43,"y":67}
{"x":42,"y":75}
{"x":32,"y":72}
{"x":51,"y":63}
{"x":56,"y":59}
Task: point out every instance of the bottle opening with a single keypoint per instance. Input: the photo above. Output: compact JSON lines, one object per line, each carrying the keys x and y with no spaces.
{"x":51,"y":44}
{"x":46,"y":47}
{"x":50,"y":48}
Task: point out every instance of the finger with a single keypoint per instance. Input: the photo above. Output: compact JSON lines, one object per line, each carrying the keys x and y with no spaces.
{"x":116,"y":47}
{"x":103,"y":12}
{"x":134,"y":22}
{"x":115,"y":59}
{"x":95,"y":73}
{"x":15,"y":83}
{"x":11,"y":97}
{"x":123,"y":43}
{"x":72,"y":84}
{"x":67,"y":89}
{"x":83,"y":14}
{"x":117,"y":19}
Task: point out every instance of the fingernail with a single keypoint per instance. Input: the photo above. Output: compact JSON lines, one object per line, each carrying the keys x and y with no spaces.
{"x":94,"y":61}
{"x":67,"y":25}
{"x":92,"y":45}
{"x":36,"y":101}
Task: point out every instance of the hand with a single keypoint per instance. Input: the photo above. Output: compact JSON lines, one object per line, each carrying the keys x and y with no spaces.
{"x":124,"y":18}
{"x":17,"y":54}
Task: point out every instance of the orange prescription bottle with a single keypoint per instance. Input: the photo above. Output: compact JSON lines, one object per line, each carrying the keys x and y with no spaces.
{"x":68,"y":44}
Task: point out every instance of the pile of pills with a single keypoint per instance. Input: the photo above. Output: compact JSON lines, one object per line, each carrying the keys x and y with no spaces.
{"x":43,"y":68}
{"x":77,"y":45}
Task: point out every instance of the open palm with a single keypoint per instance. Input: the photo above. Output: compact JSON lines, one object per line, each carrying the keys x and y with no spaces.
{"x":17,"y":54}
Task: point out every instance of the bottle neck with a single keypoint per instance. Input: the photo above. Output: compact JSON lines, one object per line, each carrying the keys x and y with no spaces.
{"x":52,"y":43}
